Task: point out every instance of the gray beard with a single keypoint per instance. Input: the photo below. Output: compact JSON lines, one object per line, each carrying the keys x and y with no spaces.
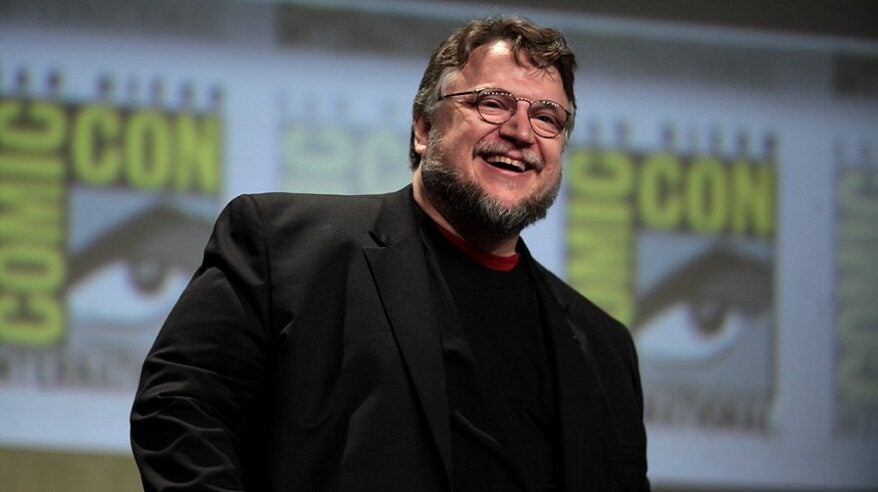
{"x":469,"y":209}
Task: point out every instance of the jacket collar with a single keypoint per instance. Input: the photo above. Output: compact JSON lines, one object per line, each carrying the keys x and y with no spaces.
{"x":401,"y":271}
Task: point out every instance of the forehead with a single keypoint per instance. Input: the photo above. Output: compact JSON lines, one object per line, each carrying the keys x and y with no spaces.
{"x":494,"y":65}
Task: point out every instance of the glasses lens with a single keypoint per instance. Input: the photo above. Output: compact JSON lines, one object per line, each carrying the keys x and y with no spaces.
{"x":496,"y":107}
{"x":547,"y":118}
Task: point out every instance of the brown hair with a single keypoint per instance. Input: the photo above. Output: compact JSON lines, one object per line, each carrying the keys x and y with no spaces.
{"x":545,"y":47}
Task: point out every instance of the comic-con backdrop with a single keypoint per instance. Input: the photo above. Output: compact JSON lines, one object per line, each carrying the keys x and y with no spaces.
{"x":720,"y":198}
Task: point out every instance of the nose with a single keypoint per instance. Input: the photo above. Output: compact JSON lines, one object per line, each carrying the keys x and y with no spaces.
{"x":517,"y":128}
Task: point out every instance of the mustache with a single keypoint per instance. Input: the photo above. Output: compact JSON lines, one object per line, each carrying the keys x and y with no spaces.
{"x":487,"y":149}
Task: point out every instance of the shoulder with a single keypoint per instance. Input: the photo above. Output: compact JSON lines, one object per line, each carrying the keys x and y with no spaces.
{"x":291,"y":212}
{"x":579,"y":307}
{"x":306,"y":203}
{"x":295,"y":225}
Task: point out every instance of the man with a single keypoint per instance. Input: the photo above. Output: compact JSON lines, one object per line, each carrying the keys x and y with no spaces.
{"x":405,"y":341}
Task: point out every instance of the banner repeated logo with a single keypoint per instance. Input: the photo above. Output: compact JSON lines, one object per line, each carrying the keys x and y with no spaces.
{"x":856,"y":325}
{"x":325,"y":149}
{"x":104,"y":209}
{"x":677,"y":242}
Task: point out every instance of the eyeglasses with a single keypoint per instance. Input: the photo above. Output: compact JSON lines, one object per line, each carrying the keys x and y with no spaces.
{"x":547,"y":118}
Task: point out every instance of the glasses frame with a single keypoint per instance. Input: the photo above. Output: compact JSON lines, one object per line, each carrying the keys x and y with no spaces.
{"x":491,"y":90}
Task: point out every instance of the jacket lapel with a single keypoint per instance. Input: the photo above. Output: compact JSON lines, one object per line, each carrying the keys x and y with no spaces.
{"x":400,"y":269}
{"x":580,"y":411}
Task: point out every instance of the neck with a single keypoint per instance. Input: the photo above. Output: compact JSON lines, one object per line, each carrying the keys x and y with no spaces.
{"x":500,"y":246}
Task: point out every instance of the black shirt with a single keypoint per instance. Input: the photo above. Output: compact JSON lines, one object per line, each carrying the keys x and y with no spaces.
{"x":498,"y":374}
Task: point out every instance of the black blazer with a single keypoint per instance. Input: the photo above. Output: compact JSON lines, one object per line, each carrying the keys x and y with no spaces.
{"x":305,"y":354}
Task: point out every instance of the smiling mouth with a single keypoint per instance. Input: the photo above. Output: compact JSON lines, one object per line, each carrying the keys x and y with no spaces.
{"x":507,"y":164}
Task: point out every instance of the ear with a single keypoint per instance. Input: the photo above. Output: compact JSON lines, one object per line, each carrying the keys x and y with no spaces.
{"x":421,"y":132}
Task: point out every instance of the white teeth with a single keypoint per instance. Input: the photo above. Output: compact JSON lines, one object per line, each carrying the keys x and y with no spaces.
{"x":508,"y":162}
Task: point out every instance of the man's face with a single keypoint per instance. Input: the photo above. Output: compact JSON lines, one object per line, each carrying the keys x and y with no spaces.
{"x":471,"y":168}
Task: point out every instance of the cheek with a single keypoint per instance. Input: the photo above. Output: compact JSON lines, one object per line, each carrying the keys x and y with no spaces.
{"x":462,"y":144}
{"x":554,"y":177}
{"x":551,"y":155}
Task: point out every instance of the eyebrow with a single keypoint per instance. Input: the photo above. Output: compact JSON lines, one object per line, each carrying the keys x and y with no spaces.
{"x":494,"y":89}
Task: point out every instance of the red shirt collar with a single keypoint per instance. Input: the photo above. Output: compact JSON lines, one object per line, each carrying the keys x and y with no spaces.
{"x":489,"y":260}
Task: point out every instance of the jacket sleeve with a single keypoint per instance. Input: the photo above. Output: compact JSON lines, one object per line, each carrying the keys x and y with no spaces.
{"x":204,"y":377}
